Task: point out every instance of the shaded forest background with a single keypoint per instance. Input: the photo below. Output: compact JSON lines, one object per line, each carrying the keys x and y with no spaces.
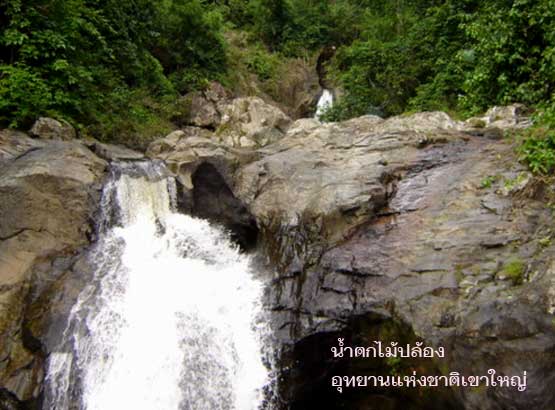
{"x":114,"y":68}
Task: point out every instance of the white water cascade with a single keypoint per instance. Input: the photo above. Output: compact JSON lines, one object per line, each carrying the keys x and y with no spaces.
{"x":172,"y":319}
{"x":324,"y":103}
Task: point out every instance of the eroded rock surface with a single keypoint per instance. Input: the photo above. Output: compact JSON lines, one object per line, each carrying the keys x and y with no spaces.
{"x":412,"y":228}
{"x":250,"y":122}
{"x":51,"y":129}
{"x":415,"y":223}
{"x":204,"y":108}
{"x":48,"y":194}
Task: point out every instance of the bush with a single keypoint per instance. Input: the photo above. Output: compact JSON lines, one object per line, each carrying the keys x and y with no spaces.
{"x":515,"y":270}
{"x":537,"y":150}
{"x":24,"y":95}
{"x":91,"y":63}
{"x":537,"y":144}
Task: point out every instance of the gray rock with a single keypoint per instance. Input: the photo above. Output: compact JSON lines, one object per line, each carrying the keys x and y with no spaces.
{"x":51,"y":129}
{"x":14,"y":143}
{"x":250,"y":122}
{"x":383,"y":224}
{"x":203,"y":112}
{"x":515,"y":116}
{"x":204,"y":108}
{"x":112,"y":152}
{"x":48,"y":194}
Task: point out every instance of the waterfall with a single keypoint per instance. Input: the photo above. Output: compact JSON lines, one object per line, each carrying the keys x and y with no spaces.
{"x":172,"y":318}
{"x":324,"y":103}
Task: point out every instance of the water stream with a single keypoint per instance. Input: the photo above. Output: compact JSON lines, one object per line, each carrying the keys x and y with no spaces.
{"x":172,"y":319}
{"x":324,"y":103}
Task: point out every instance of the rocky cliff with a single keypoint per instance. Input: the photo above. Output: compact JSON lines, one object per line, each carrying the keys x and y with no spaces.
{"x":49,"y":193}
{"x":414,"y":228}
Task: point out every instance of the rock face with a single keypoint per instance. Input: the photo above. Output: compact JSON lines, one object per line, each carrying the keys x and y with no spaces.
{"x":509,"y":117}
{"x":241,"y":122}
{"x":411,"y":228}
{"x":48,"y":193}
{"x":250,"y":122}
{"x":111,"y":152}
{"x":51,"y":129}
{"x":298,"y":90}
{"x":204,"y":108}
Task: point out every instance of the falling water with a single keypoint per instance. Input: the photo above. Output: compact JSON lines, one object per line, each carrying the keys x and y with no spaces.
{"x":172,"y":318}
{"x":324,"y":103}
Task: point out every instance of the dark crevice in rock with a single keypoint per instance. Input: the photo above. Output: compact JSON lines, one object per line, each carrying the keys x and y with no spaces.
{"x":8,"y":401}
{"x":13,"y":235}
{"x":23,"y":230}
{"x":211,"y":128}
{"x":30,"y":341}
{"x":213,"y":199}
{"x":321,"y":65}
{"x":30,"y":150}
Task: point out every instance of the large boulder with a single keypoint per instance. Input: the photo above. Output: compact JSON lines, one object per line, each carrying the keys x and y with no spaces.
{"x":48,"y":194}
{"x":398,"y":230}
{"x":51,"y":129}
{"x":203,"y":108}
{"x":498,"y":120}
{"x":513,"y":116}
{"x":111,"y":152}
{"x":14,"y":143}
{"x":250,"y":122}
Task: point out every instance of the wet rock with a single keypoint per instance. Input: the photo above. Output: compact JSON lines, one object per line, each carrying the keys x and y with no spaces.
{"x":214,"y":200}
{"x":388,"y":221}
{"x":51,"y":129}
{"x":8,"y":401}
{"x":48,"y":195}
{"x":110,"y":152}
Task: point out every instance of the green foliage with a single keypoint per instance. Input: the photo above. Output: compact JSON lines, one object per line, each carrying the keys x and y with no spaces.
{"x":406,"y":58}
{"x":537,"y":150}
{"x":113,"y":68}
{"x":271,"y":18}
{"x":515,"y":270}
{"x":511,"y":183}
{"x":23,"y":94}
{"x":261,"y":62}
{"x":86,"y":60}
{"x":451,"y":55}
{"x":488,"y":181}
{"x":190,"y":44}
{"x":377,"y":77}
{"x":255,"y":70}
{"x":536,"y":146}
{"x":297,"y":27}
{"x":545,"y":242}
{"x":514,"y":49}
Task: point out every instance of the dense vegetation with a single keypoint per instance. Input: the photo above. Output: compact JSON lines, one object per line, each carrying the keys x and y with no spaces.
{"x":105,"y":63}
{"x":112,"y":66}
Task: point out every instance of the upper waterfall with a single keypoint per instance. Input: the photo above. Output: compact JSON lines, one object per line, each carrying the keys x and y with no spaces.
{"x":172,"y":319}
{"x":324,"y":103}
